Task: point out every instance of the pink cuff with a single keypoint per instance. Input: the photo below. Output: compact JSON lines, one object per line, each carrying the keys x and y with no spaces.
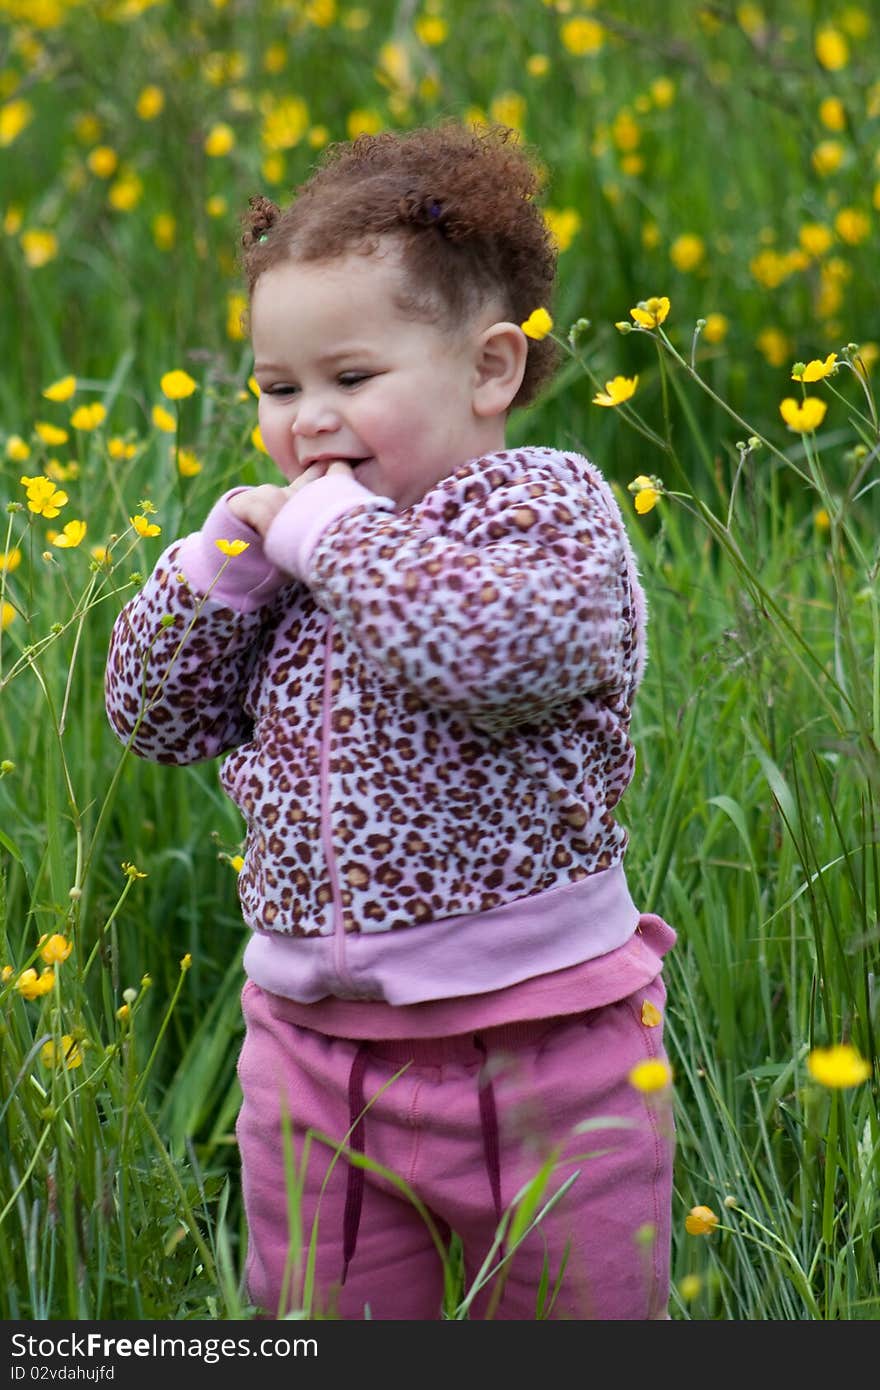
{"x":298,"y":527}
{"x":249,"y":580}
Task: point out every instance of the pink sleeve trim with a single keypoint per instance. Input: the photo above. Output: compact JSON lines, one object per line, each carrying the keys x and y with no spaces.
{"x":249,"y":580}
{"x":298,"y":527}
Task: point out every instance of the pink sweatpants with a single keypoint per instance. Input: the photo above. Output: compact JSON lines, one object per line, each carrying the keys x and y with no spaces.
{"x":547,"y":1078}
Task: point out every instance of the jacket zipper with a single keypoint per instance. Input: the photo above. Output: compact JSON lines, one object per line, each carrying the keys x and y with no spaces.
{"x":339,"y":963}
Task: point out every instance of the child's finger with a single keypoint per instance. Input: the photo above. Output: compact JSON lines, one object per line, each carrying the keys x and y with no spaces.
{"x":314,"y":470}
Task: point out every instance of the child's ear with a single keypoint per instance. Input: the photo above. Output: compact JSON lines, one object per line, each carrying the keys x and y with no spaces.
{"x":500,"y":363}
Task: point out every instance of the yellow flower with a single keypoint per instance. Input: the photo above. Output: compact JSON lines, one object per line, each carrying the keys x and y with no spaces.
{"x":832,"y":49}
{"x":651,"y":1015}
{"x":508,"y":108}
{"x":827,"y":157}
{"x":537,"y":65}
{"x":71,"y":535}
{"x":321,"y":13}
{"x":39,"y":247}
{"x":431,"y":29}
{"x":562,"y":225}
{"x":61,"y":472}
{"x":815,"y":238}
{"x":150,"y":102}
{"x":650,"y":313}
{"x":61,"y":390}
{"x":216,"y":205}
{"x":88,"y":417}
{"x":626,"y":131}
{"x":128,"y":868}
{"x":219,"y":140}
{"x":650,"y":1076}
{"x":619,"y":389}
{"x":715,"y":328}
{"x":821,"y":520}
{"x":30,"y":985}
{"x":803,"y":416}
{"x":119,"y":448}
{"x":16,"y":449}
{"x":662,"y":91}
{"x":700,"y":1221}
{"x":177,"y":385}
{"x":43,"y":498}
{"x":537,"y":325}
{"x":852,"y":225}
{"x":187,"y":463}
{"x":838,"y":1067}
{"x":50,"y":434}
{"x":815,"y":370}
{"x":70,"y":1055}
{"x":86,"y":127}
{"x":832,"y":114}
{"x":231,"y":547}
{"x":236,"y":304}
{"x":7,"y":615}
{"x":582,"y":36}
{"x":275,"y":58}
{"x":690,"y":1286}
{"x":55,"y":948}
{"x":633,"y":164}
{"x":12,"y":220}
{"x":163,"y":419}
{"x":14,"y":116}
{"x":144,"y":528}
{"x":687,"y":251}
{"x":10,"y":560}
{"x":362,"y":122}
{"x":103,"y":161}
{"x":775,"y":346}
{"x":164,"y":227}
{"x":646,"y":500}
{"x":123,"y":1013}
{"x":125,"y":194}
{"x":237,"y":863}
{"x":186,"y":961}
{"x":285,"y":122}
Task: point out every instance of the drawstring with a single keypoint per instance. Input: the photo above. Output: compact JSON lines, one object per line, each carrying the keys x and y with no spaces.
{"x":354,"y":1194}
{"x":489,"y":1126}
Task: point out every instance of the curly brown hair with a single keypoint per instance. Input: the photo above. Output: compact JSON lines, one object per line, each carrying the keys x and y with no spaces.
{"x":459,"y":200}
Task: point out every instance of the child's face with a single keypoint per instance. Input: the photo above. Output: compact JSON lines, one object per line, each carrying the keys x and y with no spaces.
{"x":344,"y":375}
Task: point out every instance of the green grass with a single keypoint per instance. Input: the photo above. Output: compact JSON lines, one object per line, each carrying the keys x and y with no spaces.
{"x":754,"y":809}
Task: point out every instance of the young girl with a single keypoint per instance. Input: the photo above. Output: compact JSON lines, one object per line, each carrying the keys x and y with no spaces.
{"x":424,"y":662}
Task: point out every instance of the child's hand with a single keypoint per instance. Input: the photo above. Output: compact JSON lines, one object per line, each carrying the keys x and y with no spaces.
{"x":259,"y":506}
{"x":318,"y":470}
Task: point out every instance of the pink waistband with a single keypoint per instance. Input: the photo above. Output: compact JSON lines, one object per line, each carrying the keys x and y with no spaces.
{"x":591,"y":985}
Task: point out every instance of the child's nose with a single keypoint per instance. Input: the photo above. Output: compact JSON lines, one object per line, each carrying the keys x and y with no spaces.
{"x":315,"y":414}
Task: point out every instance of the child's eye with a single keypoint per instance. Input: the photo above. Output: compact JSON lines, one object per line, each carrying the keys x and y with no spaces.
{"x":352,"y":378}
{"x":283,"y":389}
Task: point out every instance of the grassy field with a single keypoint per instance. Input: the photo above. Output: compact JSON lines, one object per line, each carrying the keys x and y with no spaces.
{"x":723,"y":157}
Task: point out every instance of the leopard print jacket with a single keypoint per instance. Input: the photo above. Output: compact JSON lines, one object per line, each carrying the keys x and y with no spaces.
{"x":431,"y":719}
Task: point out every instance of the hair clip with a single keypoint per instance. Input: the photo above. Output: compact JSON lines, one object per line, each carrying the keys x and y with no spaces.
{"x":434,"y":209}
{"x":264,"y":237}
